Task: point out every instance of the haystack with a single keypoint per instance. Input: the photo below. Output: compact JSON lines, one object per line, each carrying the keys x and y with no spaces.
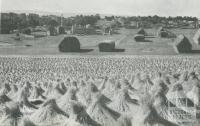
{"x":196,"y":37}
{"x":163,"y":33}
{"x":141,"y":31}
{"x":80,"y":116}
{"x":106,"y":46}
{"x":139,"y":37}
{"x":48,"y":114}
{"x":101,"y":113}
{"x":123,"y":103}
{"x":182,"y":45}
{"x":69,"y":44}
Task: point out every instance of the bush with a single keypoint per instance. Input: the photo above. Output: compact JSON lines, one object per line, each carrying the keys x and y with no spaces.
{"x":69,"y":44}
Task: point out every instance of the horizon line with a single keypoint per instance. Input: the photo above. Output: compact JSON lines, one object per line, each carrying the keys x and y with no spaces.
{"x":87,"y":13}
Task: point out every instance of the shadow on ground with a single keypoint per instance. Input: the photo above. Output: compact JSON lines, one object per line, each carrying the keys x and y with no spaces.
{"x":79,"y":51}
{"x":114,"y":50}
{"x":144,"y":41}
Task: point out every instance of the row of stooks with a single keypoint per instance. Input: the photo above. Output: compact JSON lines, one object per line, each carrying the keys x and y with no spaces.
{"x":20,"y":69}
{"x":138,"y":101}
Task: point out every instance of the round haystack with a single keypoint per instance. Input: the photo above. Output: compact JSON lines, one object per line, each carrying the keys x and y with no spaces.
{"x":182,"y":45}
{"x":141,"y":31}
{"x":102,"y":114}
{"x":139,"y":37}
{"x":106,"y":46}
{"x":48,"y":114}
{"x":123,"y":103}
{"x":79,"y":115}
{"x":69,"y":44}
{"x":196,"y":37}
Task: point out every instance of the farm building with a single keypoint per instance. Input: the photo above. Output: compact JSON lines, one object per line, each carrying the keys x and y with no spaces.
{"x":197,"y":37}
{"x":107,"y":46}
{"x":69,"y":44}
{"x":182,"y":44}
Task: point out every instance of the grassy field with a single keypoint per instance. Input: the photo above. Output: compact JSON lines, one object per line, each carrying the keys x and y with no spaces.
{"x":125,"y":40}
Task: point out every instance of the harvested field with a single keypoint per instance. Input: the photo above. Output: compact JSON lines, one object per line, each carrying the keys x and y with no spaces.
{"x":77,"y":90}
{"x":152,"y":45}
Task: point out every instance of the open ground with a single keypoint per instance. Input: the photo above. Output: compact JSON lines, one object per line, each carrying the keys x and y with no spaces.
{"x":153,"y":45}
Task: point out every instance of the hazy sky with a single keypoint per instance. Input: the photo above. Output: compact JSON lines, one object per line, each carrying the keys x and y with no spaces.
{"x":119,"y":7}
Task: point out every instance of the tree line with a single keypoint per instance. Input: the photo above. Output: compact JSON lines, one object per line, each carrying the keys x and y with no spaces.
{"x":11,"y":21}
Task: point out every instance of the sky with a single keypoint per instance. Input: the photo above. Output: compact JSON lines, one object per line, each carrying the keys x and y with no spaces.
{"x":115,"y":7}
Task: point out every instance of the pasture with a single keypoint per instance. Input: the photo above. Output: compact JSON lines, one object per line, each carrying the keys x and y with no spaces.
{"x":153,"y":45}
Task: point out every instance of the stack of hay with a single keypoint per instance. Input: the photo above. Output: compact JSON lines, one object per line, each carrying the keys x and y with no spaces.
{"x":163,"y":33}
{"x":182,"y":45}
{"x":107,"y":46}
{"x":140,"y":36}
{"x":69,"y":44}
{"x":141,"y":31}
{"x":197,"y":37}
